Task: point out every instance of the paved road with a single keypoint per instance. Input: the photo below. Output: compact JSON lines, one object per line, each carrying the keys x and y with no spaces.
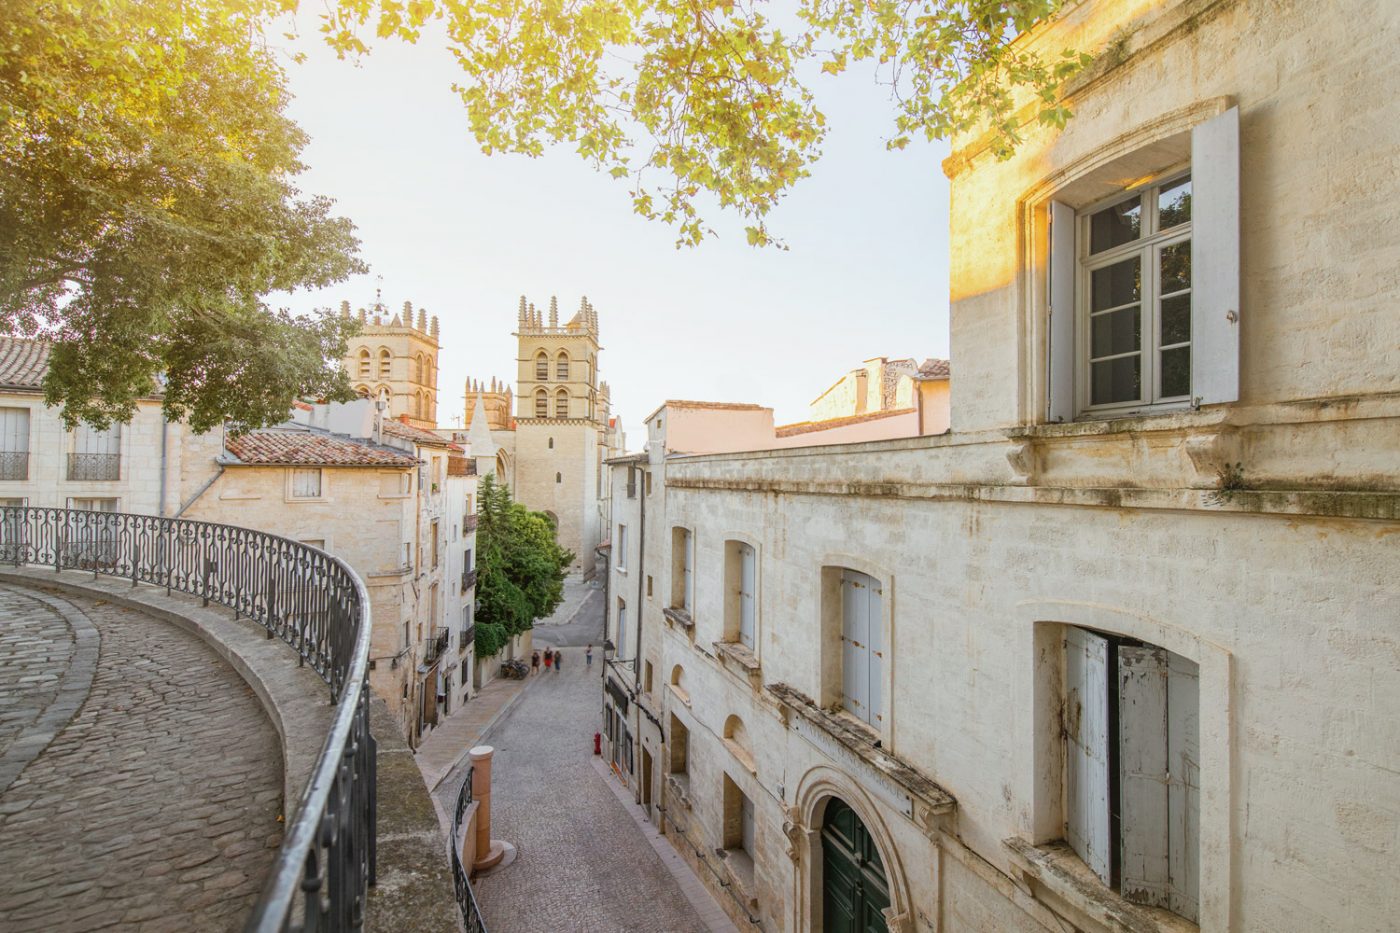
{"x":153,"y":804}
{"x":583,"y":863}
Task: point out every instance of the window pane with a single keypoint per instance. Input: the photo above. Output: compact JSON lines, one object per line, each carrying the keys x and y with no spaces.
{"x":1174,"y":204}
{"x":1115,"y":332}
{"x":1176,"y":320}
{"x":1116,"y":380}
{"x":1176,"y":267}
{"x":1121,"y":223}
{"x":1176,"y":372}
{"x":1118,"y":284}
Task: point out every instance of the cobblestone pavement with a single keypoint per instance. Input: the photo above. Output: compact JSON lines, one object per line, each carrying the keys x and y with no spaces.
{"x":583,"y":864}
{"x":155,"y":807}
{"x":37,"y":647}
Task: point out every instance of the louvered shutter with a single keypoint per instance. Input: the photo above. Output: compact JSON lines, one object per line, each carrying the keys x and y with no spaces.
{"x":855,"y":663}
{"x":748,"y":578}
{"x":1060,"y":289}
{"x":1215,"y":259}
{"x":689,"y":592}
{"x":1086,"y":750}
{"x":874,"y":620}
{"x":1142,"y":729}
{"x":1184,"y":787}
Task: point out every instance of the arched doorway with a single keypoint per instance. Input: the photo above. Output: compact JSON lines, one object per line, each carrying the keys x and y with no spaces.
{"x":854,"y":892}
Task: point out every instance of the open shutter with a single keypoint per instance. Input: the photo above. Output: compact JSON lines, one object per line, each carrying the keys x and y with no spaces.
{"x":747,"y":581}
{"x":874,"y":621}
{"x":689,"y":590}
{"x":1215,"y":259}
{"x":855,"y":668}
{"x":1142,"y":730}
{"x":1086,"y":750}
{"x":1060,"y":289}
{"x":1184,"y":787}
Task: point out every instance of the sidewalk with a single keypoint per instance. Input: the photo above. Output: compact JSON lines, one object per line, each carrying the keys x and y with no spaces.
{"x":454,"y":736}
{"x":575,"y":592}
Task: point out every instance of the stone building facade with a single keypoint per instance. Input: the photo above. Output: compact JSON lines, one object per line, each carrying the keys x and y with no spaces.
{"x":395,"y":359}
{"x":1118,"y":652}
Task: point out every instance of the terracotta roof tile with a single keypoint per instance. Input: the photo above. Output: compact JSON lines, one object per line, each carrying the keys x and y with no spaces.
{"x":23,"y":362}
{"x":935,"y":369}
{"x":417,"y":435}
{"x":294,"y":448}
{"x":807,"y":427}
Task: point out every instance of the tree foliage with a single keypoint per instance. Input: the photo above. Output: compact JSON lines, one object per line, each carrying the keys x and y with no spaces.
{"x":520,"y":568}
{"x":147,"y":206}
{"x":692,"y":98}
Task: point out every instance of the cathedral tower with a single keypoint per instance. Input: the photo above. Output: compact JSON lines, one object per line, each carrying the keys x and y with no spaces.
{"x":559,"y":421}
{"x":396,"y":359}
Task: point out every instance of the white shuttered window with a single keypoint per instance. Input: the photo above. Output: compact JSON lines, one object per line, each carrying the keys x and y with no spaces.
{"x":748,"y":585}
{"x":306,"y":484}
{"x":862,"y":649}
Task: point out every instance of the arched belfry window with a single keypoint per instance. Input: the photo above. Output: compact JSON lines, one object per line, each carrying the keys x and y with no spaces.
{"x":418,"y":368}
{"x":386,"y":364}
{"x":561,"y":404}
{"x":541,"y":404}
{"x":541,"y":366}
{"x":561,"y":367}
{"x":365,"y":364}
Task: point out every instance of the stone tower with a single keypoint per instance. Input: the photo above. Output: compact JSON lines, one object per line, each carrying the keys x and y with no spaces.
{"x":496,"y":399}
{"x":559,"y":423}
{"x":395,"y":358}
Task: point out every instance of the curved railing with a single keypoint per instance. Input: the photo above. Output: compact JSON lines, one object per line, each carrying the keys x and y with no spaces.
{"x":298,"y":593}
{"x":466,"y":897}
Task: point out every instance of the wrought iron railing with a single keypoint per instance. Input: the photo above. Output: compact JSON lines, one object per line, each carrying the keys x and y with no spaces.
{"x":94,"y":466}
{"x":300,"y":594}
{"x":466,"y":897}
{"x":437,"y":646}
{"x":468,"y":579}
{"x":14,"y":464}
{"x":469,"y":524}
{"x":467,"y":640}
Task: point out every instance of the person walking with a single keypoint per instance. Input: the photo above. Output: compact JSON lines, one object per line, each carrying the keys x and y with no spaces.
{"x":588,"y":657}
{"x":558,"y":661}
{"x":548,"y":659}
{"x":535,"y":663}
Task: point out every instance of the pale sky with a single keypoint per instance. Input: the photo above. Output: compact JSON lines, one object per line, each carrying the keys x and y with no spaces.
{"x":464,"y":235}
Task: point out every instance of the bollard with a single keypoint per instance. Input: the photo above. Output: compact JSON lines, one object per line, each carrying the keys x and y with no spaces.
{"x":489,"y":852}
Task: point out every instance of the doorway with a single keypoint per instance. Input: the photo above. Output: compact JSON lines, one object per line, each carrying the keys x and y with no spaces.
{"x":646,"y":781}
{"x":854,"y":889}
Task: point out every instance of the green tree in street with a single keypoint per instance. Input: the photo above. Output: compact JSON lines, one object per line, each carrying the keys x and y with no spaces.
{"x":520,"y":568}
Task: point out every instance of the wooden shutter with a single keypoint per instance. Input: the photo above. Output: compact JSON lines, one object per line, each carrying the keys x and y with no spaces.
{"x":1060,"y":290}
{"x":855,"y":639}
{"x":746,"y":825}
{"x":1087,"y":750}
{"x":1215,"y":259}
{"x":1184,"y":787}
{"x":874,"y":620}
{"x":1142,"y":728}
{"x":621,"y":630}
{"x":689,"y":571}
{"x":748,"y":578}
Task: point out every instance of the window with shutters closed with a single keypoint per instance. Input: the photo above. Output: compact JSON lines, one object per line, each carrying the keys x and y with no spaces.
{"x":96,"y":453}
{"x":1132,"y":783}
{"x":741,"y":594}
{"x":14,"y":443}
{"x":306,"y":484}
{"x":862,"y":646}
{"x":682,"y":569}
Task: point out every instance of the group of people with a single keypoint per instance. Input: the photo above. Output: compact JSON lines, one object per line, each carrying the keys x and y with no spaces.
{"x":553,"y":659}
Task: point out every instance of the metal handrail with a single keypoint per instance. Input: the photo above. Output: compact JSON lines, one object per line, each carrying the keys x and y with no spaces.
{"x":313,"y":602}
{"x":466,"y":897}
{"x":100,"y":467}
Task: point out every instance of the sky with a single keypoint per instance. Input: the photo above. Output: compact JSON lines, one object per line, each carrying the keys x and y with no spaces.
{"x":464,"y":235}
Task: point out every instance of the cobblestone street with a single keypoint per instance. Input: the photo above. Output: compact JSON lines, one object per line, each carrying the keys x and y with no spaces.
{"x":582,"y":863}
{"x":146,"y":788}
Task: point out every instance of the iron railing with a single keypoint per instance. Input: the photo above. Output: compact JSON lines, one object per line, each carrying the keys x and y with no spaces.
{"x":300,"y":594}
{"x":468,"y":579}
{"x":14,"y":464}
{"x":466,"y":897}
{"x":469,"y":523}
{"x":94,"y":466}
{"x":437,"y":645}
{"x":467,"y":639}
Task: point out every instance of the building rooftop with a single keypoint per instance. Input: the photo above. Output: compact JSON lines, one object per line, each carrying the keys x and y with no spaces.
{"x":805,"y":427}
{"x":309,"y":448}
{"x":705,"y":406}
{"x":398,"y":428}
{"x":932,"y":369}
{"x":23,"y":362}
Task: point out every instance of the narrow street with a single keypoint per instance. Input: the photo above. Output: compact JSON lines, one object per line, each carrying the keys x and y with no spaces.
{"x":582,"y":863}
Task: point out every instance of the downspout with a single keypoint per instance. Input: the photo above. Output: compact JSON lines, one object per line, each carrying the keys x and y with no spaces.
{"x":164,"y":434}
{"x":641,"y":578}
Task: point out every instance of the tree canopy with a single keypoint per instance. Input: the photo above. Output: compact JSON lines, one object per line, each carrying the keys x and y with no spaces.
{"x":520,"y":568}
{"x":147,"y":206}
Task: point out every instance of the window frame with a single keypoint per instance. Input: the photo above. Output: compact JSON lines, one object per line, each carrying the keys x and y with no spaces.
{"x":292,"y":475}
{"x":1147,"y":247}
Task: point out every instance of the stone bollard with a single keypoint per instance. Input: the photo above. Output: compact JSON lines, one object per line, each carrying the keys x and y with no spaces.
{"x":489,"y":852}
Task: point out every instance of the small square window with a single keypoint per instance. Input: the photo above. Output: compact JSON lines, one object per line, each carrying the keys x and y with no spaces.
{"x":306,"y":484}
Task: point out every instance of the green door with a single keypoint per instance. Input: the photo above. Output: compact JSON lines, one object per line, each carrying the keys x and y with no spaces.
{"x":854,"y":890}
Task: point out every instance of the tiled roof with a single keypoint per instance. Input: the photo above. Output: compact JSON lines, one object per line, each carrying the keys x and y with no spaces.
{"x":23,"y":362}
{"x":935,"y":369}
{"x":296,"y":448}
{"x":417,"y":435}
{"x":807,"y":427}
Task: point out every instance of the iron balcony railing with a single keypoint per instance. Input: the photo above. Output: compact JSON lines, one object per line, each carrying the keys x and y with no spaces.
{"x":467,"y":640}
{"x":438,"y":646}
{"x":94,"y":466}
{"x":14,"y":464}
{"x":469,"y":524}
{"x":300,"y":594}
{"x":466,"y":897}
{"x":468,"y":579}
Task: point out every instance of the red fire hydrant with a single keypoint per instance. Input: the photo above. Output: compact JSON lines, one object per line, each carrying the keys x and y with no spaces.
{"x":597,"y":743}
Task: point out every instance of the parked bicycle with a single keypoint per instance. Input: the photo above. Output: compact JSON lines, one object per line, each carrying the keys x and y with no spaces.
{"x":515,"y":670}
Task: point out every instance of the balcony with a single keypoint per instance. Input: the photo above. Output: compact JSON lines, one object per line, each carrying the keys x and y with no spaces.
{"x":437,"y":647}
{"x":468,"y":579}
{"x":94,"y":467}
{"x":469,"y":524}
{"x":14,"y":464}
{"x":467,"y":640}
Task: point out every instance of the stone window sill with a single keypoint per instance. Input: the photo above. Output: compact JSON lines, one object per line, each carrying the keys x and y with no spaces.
{"x":679,"y":785}
{"x":1092,"y":424}
{"x":739,"y":655}
{"x":681,"y":695}
{"x":677,"y":616}
{"x":739,"y":866}
{"x":1058,"y":878}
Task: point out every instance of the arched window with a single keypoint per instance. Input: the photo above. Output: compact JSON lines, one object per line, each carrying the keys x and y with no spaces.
{"x":561,"y":367}
{"x":417,"y":404}
{"x":386,"y":364}
{"x":561,"y":404}
{"x":559,"y":477}
{"x":541,"y":404}
{"x":541,"y":366}
{"x":365,"y":365}
{"x":418,"y":369}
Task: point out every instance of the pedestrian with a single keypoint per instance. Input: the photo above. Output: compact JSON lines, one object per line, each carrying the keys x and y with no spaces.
{"x":548,"y":659}
{"x":588,"y":657}
{"x":535,"y":663}
{"x":558,"y":661}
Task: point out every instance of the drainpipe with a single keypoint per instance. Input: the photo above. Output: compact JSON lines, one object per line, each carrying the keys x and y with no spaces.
{"x":641,"y":581}
{"x":164,"y":434}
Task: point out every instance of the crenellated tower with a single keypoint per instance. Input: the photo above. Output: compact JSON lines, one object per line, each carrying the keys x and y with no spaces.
{"x":395,"y":357}
{"x":496,"y":398}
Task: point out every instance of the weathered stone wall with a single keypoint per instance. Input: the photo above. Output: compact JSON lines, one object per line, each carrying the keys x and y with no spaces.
{"x":562,"y":479}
